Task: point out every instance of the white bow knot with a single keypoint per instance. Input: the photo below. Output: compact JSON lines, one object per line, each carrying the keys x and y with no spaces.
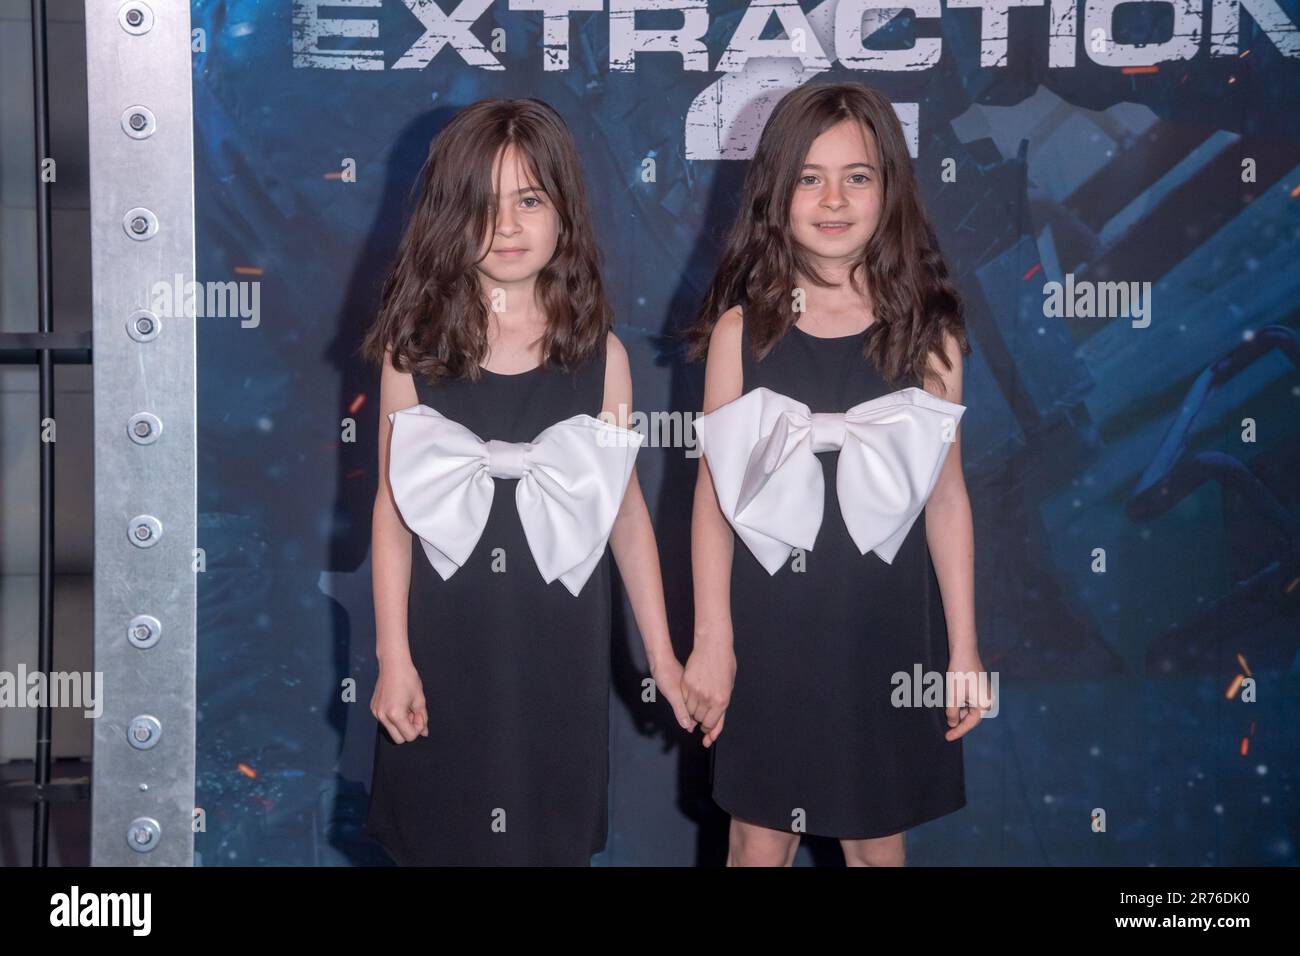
{"x":829,"y":430}
{"x":571,"y":480}
{"x":507,"y":459}
{"x":762,"y":448}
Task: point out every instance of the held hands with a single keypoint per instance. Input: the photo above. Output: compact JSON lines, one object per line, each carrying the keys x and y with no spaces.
{"x":707,"y":682}
{"x":398,"y":702}
{"x":966,"y":709}
{"x":667,"y":674}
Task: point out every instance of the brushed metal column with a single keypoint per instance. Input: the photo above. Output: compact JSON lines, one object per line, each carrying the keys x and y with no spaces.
{"x":142,"y":233}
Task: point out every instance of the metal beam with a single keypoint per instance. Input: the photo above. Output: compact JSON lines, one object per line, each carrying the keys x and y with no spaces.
{"x":142,"y":233}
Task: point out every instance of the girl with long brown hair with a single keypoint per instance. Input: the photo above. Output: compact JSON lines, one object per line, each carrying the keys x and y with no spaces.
{"x":503,"y":485}
{"x":833,"y":341}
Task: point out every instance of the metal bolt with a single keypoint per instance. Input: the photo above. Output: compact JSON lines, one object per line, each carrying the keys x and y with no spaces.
{"x":143,"y":732}
{"x":143,"y":834}
{"x":144,"y":531}
{"x":143,"y":631}
{"x":144,"y":428}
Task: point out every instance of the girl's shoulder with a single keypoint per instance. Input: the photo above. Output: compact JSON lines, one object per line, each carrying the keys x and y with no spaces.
{"x":612,"y":348}
{"x":729,"y":329}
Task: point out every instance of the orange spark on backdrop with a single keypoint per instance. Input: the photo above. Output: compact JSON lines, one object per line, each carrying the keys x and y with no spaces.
{"x":1235,"y":686}
{"x":247,"y":771}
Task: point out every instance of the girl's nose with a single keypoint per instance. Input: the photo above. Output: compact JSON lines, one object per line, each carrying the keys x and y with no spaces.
{"x":833,"y":197}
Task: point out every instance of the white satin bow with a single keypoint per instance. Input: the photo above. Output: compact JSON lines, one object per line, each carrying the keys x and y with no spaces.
{"x":761,"y":449}
{"x":572,"y":478}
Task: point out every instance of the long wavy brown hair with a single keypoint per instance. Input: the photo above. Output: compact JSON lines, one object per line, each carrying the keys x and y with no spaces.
{"x":433,"y":313}
{"x":915,"y":302}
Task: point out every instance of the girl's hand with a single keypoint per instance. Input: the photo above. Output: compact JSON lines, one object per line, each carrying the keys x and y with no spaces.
{"x":667,"y":674}
{"x":966,"y":709}
{"x":398,"y":702}
{"x":707,"y":682}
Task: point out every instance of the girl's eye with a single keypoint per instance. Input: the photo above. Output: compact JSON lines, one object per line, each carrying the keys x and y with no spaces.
{"x":808,"y":180}
{"x":860,"y":179}
{"x":532,"y":199}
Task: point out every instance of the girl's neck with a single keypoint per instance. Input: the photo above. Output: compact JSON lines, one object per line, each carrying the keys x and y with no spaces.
{"x":843,"y":298}
{"x":516,"y":327}
{"x":513,"y":305}
{"x":836,"y":271}
{"x":517,"y":320}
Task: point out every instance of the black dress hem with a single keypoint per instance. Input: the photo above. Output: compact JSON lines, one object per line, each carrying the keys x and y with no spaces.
{"x":916,"y":820}
{"x":387,"y":841}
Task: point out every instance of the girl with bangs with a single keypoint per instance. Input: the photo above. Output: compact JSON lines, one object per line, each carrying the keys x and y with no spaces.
{"x":833,"y":341}
{"x":503,"y":486}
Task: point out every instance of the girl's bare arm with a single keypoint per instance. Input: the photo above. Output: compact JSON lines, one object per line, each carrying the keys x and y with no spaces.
{"x":390,"y":541}
{"x":632,"y":542}
{"x":711,"y":668}
{"x":948,"y":525}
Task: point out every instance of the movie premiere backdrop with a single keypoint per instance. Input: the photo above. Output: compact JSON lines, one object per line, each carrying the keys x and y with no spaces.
{"x":1116,"y":188}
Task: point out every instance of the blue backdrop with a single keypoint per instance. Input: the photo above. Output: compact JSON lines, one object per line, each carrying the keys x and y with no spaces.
{"x":1150,"y":142}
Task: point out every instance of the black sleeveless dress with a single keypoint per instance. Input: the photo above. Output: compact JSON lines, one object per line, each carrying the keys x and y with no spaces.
{"x":811,"y":743}
{"x":515,"y":671}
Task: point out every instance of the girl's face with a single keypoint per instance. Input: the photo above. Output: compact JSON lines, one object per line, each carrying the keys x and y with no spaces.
{"x":837,"y":200}
{"x":522,"y":239}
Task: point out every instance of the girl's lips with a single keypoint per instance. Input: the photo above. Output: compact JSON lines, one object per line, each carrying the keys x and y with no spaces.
{"x":510,"y":252}
{"x":833,"y":228}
